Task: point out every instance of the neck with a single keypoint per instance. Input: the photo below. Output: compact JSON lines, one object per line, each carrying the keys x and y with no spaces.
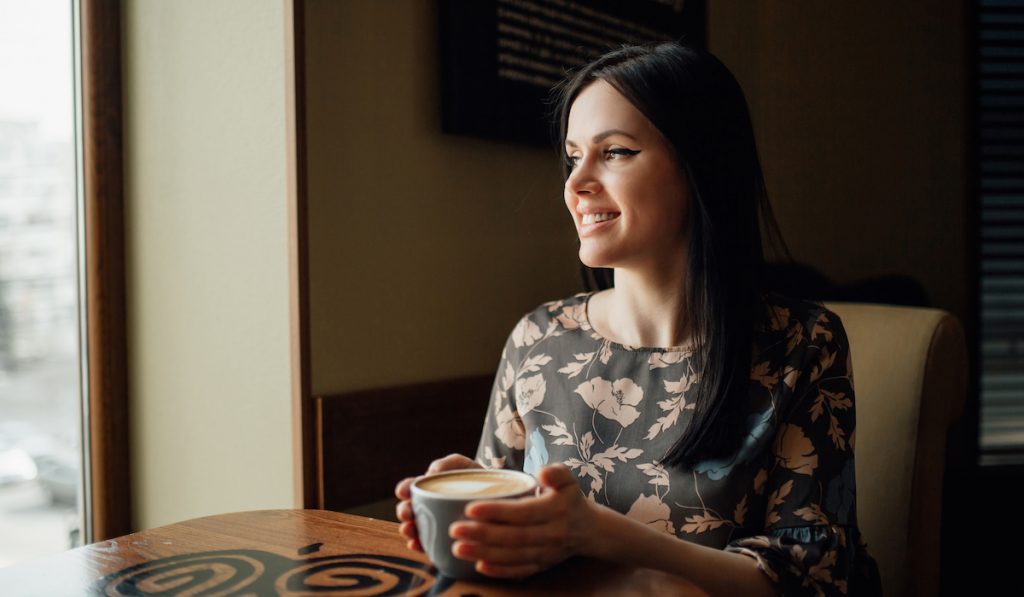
{"x":647,"y":307}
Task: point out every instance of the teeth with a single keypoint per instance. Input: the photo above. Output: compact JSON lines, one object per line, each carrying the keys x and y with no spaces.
{"x":592,"y":218}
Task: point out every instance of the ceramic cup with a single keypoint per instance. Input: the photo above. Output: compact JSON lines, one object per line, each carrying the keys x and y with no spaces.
{"x":440,"y":499}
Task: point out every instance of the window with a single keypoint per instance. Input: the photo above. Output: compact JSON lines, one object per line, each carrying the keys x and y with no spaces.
{"x":40,"y":398}
{"x":999,"y":121}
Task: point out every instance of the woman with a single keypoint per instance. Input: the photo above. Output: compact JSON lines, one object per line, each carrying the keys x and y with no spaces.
{"x":684,"y":401}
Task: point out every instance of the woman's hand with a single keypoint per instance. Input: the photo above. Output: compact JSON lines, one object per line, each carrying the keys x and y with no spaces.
{"x":517,"y":538}
{"x":403,"y":492}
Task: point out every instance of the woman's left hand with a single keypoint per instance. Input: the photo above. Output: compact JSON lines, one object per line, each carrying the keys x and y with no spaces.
{"x":517,"y":538}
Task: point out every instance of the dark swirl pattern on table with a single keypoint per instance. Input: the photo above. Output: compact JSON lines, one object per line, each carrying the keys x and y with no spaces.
{"x":259,"y":573}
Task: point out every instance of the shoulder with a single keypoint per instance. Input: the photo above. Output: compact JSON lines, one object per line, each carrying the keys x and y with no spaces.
{"x":567,"y":314}
{"x":798,"y":338}
{"x":801,"y":320}
{"x":549,"y":318}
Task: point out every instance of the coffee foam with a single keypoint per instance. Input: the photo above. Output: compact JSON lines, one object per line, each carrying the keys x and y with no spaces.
{"x":475,"y":484}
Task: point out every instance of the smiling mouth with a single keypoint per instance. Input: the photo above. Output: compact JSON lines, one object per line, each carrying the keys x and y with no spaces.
{"x":595,"y":218}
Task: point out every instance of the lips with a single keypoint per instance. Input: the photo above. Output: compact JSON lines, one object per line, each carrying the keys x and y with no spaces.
{"x":594,"y":223}
{"x":594,"y":218}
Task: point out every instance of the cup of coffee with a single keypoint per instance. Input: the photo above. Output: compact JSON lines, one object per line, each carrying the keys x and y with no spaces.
{"x":439,"y":500}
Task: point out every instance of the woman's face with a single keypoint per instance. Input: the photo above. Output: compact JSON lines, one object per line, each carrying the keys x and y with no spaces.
{"x":626,"y":193}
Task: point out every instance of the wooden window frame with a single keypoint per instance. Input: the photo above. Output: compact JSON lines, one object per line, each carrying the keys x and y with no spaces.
{"x":107,"y":441}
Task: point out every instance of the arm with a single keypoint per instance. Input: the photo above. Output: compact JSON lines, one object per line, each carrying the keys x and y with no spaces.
{"x":520,"y":538}
{"x":810,"y":543}
{"x":717,"y":572}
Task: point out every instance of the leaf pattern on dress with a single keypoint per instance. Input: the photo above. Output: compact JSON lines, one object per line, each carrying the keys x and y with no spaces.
{"x":560,"y":433}
{"x":660,"y":360}
{"x":832,"y":401}
{"x":790,"y":375}
{"x":822,"y":571}
{"x":575,"y":368}
{"x":763,"y":374}
{"x":675,"y":405}
{"x":534,"y":363}
{"x":657,"y":472}
{"x":740,"y":514}
{"x":762,"y":476}
{"x":702,"y":523}
{"x":591,"y":465}
{"x":586,"y":443}
{"x":836,"y":433}
{"x":824,"y":364}
{"x":821,"y":328}
{"x":813,"y":514}
{"x":776,"y":498}
{"x":607,"y":458}
{"x":587,"y":470}
{"x":795,"y":336}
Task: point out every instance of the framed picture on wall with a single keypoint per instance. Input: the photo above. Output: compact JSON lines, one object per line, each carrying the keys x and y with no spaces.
{"x":500,"y":59}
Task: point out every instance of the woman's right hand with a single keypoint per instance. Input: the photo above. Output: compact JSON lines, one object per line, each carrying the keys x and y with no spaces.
{"x":403,"y":491}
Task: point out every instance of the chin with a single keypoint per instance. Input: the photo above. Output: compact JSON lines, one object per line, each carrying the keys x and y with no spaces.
{"x":591,"y":260}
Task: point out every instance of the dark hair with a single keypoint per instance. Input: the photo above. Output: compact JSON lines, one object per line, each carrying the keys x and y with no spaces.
{"x":696,"y":103}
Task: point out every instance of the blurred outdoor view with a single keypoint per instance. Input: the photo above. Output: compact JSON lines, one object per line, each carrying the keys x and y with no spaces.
{"x":40,"y":418}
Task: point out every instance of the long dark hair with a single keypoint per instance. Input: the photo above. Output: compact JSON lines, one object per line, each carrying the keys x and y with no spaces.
{"x":696,"y":103}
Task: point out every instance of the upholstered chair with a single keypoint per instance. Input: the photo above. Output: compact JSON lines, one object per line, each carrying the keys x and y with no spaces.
{"x":910,"y":380}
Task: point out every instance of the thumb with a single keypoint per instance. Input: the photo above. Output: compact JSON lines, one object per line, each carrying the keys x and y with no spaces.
{"x":556,"y":476}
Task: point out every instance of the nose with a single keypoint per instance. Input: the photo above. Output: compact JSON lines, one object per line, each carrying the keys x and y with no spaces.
{"x":582,"y":180}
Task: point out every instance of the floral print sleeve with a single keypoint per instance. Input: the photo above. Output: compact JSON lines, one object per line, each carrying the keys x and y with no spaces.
{"x":810,"y":544}
{"x":611,"y":412}
{"x":503,"y":439}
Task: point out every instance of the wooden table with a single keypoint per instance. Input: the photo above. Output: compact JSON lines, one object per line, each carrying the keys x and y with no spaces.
{"x":295,"y":552}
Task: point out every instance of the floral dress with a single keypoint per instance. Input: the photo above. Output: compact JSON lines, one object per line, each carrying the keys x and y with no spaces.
{"x":565,"y":394}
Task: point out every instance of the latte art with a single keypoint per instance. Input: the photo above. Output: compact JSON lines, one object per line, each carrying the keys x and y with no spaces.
{"x":476,"y":484}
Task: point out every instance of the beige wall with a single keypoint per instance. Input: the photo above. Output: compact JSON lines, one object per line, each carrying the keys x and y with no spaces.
{"x":860,"y":113}
{"x":424,"y":248}
{"x":207,"y":257}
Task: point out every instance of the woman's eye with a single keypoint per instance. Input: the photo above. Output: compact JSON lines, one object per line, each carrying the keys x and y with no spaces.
{"x":616,"y":153}
{"x":572,"y":161}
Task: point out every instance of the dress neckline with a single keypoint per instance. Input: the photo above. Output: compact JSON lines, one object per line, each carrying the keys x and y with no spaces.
{"x":685,"y":348}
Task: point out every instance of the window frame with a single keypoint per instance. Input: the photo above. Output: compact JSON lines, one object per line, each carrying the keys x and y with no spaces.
{"x":106,"y":437}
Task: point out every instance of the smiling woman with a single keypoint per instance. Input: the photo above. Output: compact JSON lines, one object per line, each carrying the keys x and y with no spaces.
{"x":626,"y":192}
{"x":679,"y":416}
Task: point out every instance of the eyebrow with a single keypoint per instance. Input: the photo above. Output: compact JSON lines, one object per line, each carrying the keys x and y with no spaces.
{"x":603,"y":135}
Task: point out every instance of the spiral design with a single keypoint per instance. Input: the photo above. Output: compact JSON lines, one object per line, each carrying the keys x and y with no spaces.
{"x":211,"y":573}
{"x":356,"y":575}
{"x":260,"y":573}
